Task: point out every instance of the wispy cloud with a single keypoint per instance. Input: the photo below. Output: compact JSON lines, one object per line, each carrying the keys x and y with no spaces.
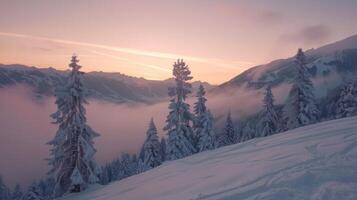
{"x":130,"y":61}
{"x":314,"y":34}
{"x":137,"y":52}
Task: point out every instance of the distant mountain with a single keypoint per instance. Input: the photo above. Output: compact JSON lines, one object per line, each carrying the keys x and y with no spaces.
{"x":329,"y":65}
{"x":113,"y":87}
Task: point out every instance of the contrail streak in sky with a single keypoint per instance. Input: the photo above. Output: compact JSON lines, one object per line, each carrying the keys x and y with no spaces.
{"x":219,"y":62}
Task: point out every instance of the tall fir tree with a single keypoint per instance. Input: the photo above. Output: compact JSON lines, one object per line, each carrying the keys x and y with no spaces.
{"x":269,"y":123}
{"x":203,"y":123}
{"x":248,"y":133}
{"x":33,"y":193}
{"x":180,"y":141}
{"x":73,"y":165}
{"x":228,"y":136}
{"x":4,"y":190}
{"x":346,"y":104}
{"x":17,"y":193}
{"x":152,"y":148}
{"x":301,"y":108}
{"x":163,"y":148}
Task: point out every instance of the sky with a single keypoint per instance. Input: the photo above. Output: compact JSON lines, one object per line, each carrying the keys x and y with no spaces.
{"x":217,"y":39}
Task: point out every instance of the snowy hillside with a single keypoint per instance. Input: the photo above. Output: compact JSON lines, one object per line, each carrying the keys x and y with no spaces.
{"x":329,"y":65}
{"x":312,"y":162}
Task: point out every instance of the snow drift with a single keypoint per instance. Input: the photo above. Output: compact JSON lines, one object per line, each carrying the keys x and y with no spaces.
{"x":312,"y":162}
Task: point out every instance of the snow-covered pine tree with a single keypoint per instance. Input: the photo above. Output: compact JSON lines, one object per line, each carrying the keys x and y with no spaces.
{"x":269,"y":123}
{"x":141,"y":167}
{"x":45,"y":188}
{"x":105,"y":175}
{"x":228,"y":136}
{"x":248,"y":132}
{"x":73,"y":165}
{"x":4,"y":190}
{"x":203,"y":123}
{"x":163,"y":149}
{"x":301,"y":108}
{"x":180,"y":141}
{"x":115,"y":171}
{"x":152,"y":148}
{"x":17,"y":193}
{"x":346,"y":104}
{"x":33,"y":193}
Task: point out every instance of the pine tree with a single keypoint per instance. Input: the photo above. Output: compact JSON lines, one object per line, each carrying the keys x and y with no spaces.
{"x":4,"y":190}
{"x":269,"y":123}
{"x":72,"y":154}
{"x":228,"y":135}
{"x":152,"y":149}
{"x":180,"y":142}
{"x":17,"y":193}
{"x":203,"y":126}
{"x":247,"y":133}
{"x":33,"y":193}
{"x":163,"y":149}
{"x":142,"y":167}
{"x":300,"y":108}
{"x":346,"y":104}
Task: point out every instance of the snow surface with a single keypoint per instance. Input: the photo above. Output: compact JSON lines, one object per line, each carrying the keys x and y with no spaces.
{"x":313,"y":162}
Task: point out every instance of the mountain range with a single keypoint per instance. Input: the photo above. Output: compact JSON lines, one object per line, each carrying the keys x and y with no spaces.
{"x":329,"y":65}
{"x":113,"y":87}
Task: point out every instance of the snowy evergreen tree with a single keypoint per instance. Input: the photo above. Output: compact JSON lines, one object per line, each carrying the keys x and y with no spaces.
{"x":346,"y":104}
{"x":72,"y":154}
{"x":33,"y":193}
{"x":17,"y":193}
{"x":206,"y":134}
{"x":180,"y":142}
{"x":163,"y":149}
{"x":228,"y":136}
{"x":248,"y":132}
{"x":203,"y":126}
{"x":269,"y":123}
{"x":200,"y":106}
{"x":46,"y":188}
{"x":152,"y":149}
{"x":105,"y":176}
{"x":142,"y":167}
{"x":4,"y":190}
{"x":301,"y":108}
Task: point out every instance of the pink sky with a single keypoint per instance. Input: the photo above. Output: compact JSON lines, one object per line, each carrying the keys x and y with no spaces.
{"x":218,"y":39}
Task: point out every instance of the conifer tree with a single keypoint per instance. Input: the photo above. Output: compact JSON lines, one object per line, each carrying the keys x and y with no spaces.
{"x":33,"y":193}
{"x":163,"y":149}
{"x":228,"y":136}
{"x":269,"y":123}
{"x":152,"y":149}
{"x":73,"y":165}
{"x":203,"y":126}
{"x":248,"y":132}
{"x":180,"y":141}
{"x":4,"y":190}
{"x":301,"y":108}
{"x":17,"y":193}
{"x":346,"y":104}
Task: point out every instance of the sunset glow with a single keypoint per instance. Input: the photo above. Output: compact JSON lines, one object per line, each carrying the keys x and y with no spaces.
{"x":144,"y":38}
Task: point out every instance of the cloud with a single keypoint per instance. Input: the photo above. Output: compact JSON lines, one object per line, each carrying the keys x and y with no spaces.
{"x":315,"y":34}
{"x":270,"y":17}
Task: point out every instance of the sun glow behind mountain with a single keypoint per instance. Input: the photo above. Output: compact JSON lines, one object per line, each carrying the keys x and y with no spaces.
{"x":218,"y":39}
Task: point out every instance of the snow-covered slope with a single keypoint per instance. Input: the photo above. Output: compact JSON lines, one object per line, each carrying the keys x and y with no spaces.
{"x":312,"y":162}
{"x":329,"y":64}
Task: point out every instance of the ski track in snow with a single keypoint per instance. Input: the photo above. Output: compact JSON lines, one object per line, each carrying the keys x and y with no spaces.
{"x":313,"y":162}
